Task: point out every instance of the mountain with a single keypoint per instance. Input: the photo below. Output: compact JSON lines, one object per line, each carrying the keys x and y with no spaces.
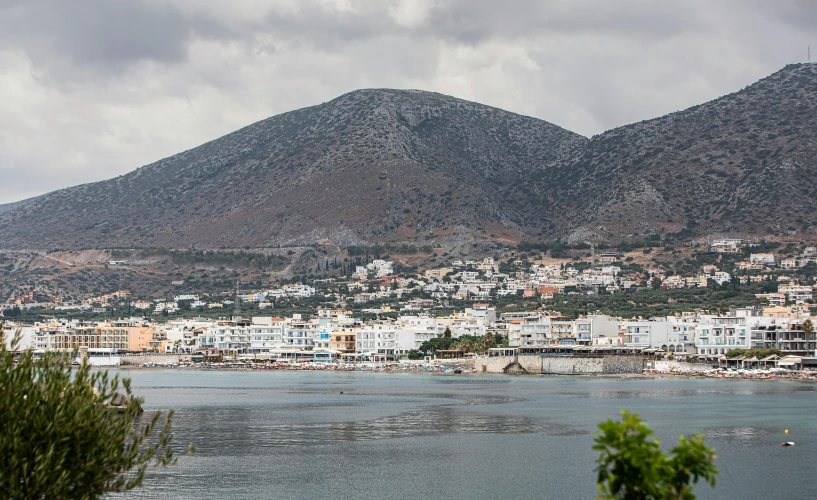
{"x":741,"y":164}
{"x":369,"y":165}
{"x":8,"y":207}
{"x":411,"y":166}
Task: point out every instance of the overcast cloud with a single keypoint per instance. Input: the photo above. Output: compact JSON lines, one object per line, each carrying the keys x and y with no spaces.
{"x":91,"y":89}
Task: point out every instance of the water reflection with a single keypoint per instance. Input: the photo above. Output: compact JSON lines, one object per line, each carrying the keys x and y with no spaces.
{"x":225,"y":428}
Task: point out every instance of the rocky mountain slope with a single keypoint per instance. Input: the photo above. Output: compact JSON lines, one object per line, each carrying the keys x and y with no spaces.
{"x":411,"y":166}
{"x":8,"y":207}
{"x":742,"y":164}
{"x":371,"y":165}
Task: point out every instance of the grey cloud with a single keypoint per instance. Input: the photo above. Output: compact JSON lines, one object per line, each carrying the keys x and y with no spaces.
{"x":115,"y":33}
{"x":112,"y":34}
{"x":796,"y":14}
{"x":121,"y":83}
{"x":100,"y":33}
{"x":473,"y":21}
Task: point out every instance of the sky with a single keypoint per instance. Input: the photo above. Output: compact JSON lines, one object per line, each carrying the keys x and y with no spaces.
{"x":92,"y":89}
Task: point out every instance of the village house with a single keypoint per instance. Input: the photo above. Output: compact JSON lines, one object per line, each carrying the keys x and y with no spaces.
{"x":762,"y":258}
{"x":788,"y":263}
{"x":733,"y":245}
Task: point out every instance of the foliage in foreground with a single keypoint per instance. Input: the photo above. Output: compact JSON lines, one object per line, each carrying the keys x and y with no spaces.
{"x":632,"y":465}
{"x":60,"y":439}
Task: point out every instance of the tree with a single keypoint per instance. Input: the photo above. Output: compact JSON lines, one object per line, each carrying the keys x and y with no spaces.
{"x":756,"y":352}
{"x":808,"y":331}
{"x":61,"y":436}
{"x":437,"y":344}
{"x":490,"y":341}
{"x":632,"y":465}
{"x":415,"y":354}
{"x":13,"y":312}
{"x":656,"y":283}
{"x":735,"y":282}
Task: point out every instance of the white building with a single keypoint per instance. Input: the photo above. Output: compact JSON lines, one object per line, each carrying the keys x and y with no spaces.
{"x":682,"y":331}
{"x":266,"y":333}
{"x":534,"y":329}
{"x":380,"y":267}
{"x":412,"y":331}
{"x":300,"y":291}
{"x":797,"y":293}
{"x":648,"y":333}
{"x":183,"y":331}
{"x":719,"y":334}
{"x":170,"y":307}
{"x":226,"y":336}
{"x":28,"y":337}
{"x":588,"y":330}
{"x":378,"y":338}
{"x":726,"y":245}
{"x":300,"y":334}
{"x":762,"y":258}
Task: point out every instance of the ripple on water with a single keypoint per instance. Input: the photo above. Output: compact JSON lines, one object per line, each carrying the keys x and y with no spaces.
{"x":469,"y":381}
{"x":738,"y":434}
{"x":657,"y":394}
{"x":434,"y":421}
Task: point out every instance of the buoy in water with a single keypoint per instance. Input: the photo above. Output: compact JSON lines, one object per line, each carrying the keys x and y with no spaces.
{"x":786,"y":431}
{"x":762,"y":421}
{"x":788,"y":443}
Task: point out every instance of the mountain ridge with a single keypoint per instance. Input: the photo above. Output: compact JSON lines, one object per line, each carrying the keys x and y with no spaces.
{"x":385,"y":165}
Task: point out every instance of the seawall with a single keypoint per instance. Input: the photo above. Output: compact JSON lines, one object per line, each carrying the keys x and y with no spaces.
{"x":562,"y":365}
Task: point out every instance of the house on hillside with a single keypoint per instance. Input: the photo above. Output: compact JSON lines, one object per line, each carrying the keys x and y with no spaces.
{"x":729,"y":245}
{"x":609,"y":258}
{"x":762,"y":258}
{"x":789,"y":263}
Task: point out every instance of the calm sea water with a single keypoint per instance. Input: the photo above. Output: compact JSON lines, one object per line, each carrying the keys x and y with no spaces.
{"x":389,"y":436}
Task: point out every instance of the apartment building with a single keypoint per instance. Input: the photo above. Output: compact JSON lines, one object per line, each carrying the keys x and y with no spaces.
{"x":119,"y":335}
{"x":720,"y":334}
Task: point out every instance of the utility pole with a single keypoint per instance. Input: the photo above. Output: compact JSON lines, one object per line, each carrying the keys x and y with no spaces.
{"x":237,"y":298}
{"x":593,"y":256}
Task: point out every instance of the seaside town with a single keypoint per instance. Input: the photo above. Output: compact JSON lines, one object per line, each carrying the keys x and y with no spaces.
{"x":784,"y":280}
{"x":399,"y":318}
{"x":408,"y":249}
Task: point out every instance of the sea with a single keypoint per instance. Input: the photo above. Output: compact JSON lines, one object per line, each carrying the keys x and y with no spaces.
{"x":307,"y":435}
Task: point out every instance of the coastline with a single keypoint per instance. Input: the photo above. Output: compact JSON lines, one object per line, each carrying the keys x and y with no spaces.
{"x":465,"y":368}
